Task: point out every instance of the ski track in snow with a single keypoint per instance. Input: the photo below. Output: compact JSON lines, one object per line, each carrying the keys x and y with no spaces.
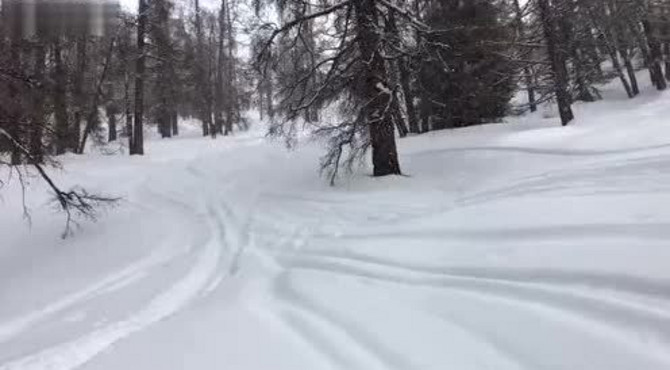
{"x":336,"y":289}
{"x":202,"y":278}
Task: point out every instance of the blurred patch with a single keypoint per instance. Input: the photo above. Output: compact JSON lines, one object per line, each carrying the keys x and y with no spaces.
{"x":51,"y":18}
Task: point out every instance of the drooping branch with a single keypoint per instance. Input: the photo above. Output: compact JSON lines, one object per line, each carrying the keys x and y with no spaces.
{"x":76,"y":202}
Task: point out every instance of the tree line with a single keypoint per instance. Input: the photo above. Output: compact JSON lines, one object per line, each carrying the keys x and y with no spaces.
{"x":356,"y":73}
{"x":413,"y":66}
{"x":60,"y":79}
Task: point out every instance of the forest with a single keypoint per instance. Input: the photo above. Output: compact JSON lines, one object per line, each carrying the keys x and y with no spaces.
{"x":380,"y":68}
{"x":335,"y":184}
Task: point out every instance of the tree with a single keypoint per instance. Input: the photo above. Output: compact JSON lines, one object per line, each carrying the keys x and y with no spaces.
{"x":551,"y":11}
{"x":465,"y":78}
{"x":137,"y":144}
{"x":354,"y":77}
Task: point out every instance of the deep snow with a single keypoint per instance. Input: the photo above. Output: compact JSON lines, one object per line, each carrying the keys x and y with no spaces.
{"x":509,"y":246}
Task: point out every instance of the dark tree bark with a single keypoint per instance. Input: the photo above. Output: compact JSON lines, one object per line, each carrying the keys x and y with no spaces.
{"x":220,"y":65}
{"x":630,"y":70}
{"x":655,"y":55}
{"x":111,"y":112}
{"x":202,"y":82}
{"x":128,"y":108}
{"x":137,"y":147}
{"x":374,"y":91}
{"x":527,"y":71}
{"x":232,"y":109}
{"x":59,"y":99}
{"x":16,"y":106}
{"x":79,"y":95}
{"x":558,"y":57}
{"x":38,"y":116}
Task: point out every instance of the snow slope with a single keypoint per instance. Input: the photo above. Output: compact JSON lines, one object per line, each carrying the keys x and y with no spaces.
{"x":511,"y":246}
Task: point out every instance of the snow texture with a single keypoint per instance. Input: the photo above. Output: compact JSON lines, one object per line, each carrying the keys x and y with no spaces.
{"x":522,"y":245}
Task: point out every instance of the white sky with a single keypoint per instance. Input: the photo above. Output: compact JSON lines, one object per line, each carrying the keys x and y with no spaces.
{"x":131,"y":5}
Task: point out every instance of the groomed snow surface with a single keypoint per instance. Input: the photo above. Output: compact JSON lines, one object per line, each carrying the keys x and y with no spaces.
{"x":522,"y":245}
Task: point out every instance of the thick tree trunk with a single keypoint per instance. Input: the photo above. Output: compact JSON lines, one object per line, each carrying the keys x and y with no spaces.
{"x":655,"y":55}
{"x":558,"y":57}
{"x":375,"y":92}
{"x":137,"y":147}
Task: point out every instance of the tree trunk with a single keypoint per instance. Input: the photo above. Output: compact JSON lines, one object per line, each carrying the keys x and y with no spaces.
{"x":630,"y":70}
{"x":128,"y":108}
{"x":611,"y":50}
{"x":375,"y":92}
{"x":111,"y":124}
{"x":557,"y":56}
{"x":92,"y":114}
{"x":174,"y":120}
{"x":232,"y":112}
{"x":38,"y":116}
{"x":220,"y":63}
{"x":527,"y":71}
{"x":16,"y":103}
{"x":59,"y":99}
{"x":656,"y":56}
{"x":79,"y":95}
{"x":137,"y":147}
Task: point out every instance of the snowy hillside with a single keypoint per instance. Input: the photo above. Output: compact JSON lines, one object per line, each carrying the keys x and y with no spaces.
{"x":510,"y":246}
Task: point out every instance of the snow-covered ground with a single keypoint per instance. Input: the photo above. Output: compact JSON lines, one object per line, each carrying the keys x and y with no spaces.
{"x":510,"y":246}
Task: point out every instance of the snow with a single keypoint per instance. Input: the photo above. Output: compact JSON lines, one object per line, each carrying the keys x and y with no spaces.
{"x":522,"y":245}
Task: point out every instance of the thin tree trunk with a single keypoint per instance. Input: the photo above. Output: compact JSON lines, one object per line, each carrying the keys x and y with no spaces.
{"x":38,"y":116}
{"x":138,"y":127}
{"x":612,"y":51}
{"x":527,"y":72}
{"x":59,"y":99}
{"x":79,"y":95}
{"x":220,"y":63}
{"x":128,"y":109}
{"x":111,"y":123}
{"x":16,"y":106}
{"x":232,"y":111}
{"x":92,"y":115}
{"x":174,"y":119}
{"x":630,"y":70}
{"x":372,"y":88}
{"x":200,"y":73}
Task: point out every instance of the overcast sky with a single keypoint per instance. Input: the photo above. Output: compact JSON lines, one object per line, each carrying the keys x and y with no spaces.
{"x":131,"y":5}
